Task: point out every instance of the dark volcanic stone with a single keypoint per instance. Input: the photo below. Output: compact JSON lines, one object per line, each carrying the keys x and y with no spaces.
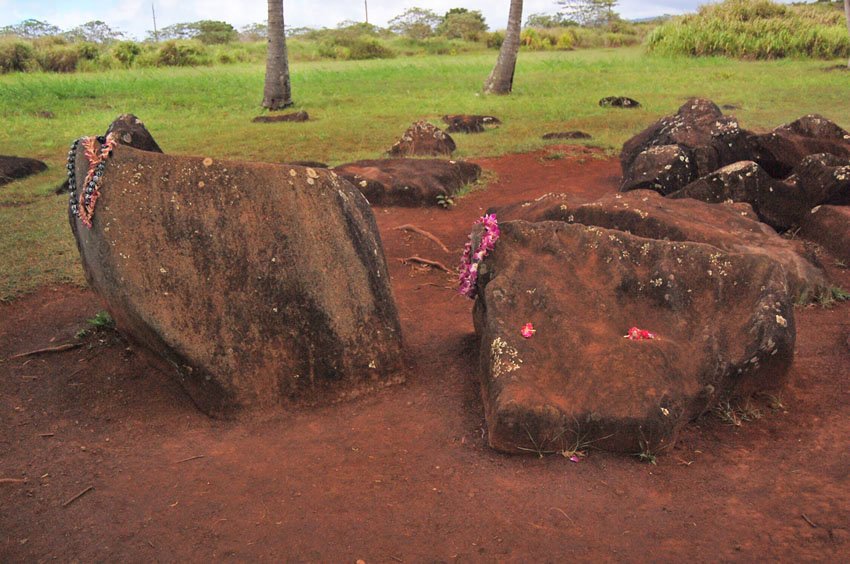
{"x":618,"y":102}
{"x":423,"y":139}
{"x":15,"y":168}
{"x":784,"y":148}
{"x":724,"y":325}
{"x":409,"y":182}
{"x":662,"y":168}
{"x":129,"y":130}
{"x":469,"y":123}
{"x":277,"y":118}
{"x":829,"y":226}
{"x":732,"y":228}
{"x":257,"y":284}
{"x":568,"y":135}
{"x":710,"y":140}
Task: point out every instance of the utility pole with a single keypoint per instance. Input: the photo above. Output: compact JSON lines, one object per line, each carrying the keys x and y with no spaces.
{"x":155,"y":34}
{"x":366,"y":3}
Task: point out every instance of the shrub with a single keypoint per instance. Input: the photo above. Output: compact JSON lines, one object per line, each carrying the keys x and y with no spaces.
{"x":59,"y":58}
{"x":369,"y":48}
{"x":16,"y":56}
{"x":126,"y":52}
{"x":182,"y":54}
{"x":757,"y":29}
{"x":495,"y":39}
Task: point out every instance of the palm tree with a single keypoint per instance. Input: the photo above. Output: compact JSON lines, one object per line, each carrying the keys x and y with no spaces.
{"x":501,"y":80}
{"x":277,"y":92}
{"x":847,"y":16}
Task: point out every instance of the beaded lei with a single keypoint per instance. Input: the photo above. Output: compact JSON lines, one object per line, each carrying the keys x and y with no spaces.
{"x":82,"y":206}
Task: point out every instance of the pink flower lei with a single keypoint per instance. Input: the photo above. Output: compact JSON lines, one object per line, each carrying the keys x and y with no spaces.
{"x":471,"y":260}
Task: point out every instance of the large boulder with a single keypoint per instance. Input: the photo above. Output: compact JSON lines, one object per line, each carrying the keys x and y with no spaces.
{"x":723,"y":325}
{"x":131,"y":131}
{"x":709,"y":139}
{"x":15,"y":168}
{"x":731,"y":228}
{"x":780,"y":151}
{"x":829,"y":226}
{"x":258,"y":284}
{"x":409,"y":182}
{"x":423,"y":139}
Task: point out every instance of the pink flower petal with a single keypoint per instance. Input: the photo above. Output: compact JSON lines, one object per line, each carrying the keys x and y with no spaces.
{"x":528,"y":330}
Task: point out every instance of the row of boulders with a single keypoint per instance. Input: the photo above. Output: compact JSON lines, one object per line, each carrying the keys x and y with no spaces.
{"x":702,"y":154}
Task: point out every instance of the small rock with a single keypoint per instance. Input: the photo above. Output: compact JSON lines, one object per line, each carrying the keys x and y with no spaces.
{"x":619,"y":102}
{"x":290,"y":117}
{"x":423,"y":139}
{"x":568,"y":135}
{"x":470,"y":123}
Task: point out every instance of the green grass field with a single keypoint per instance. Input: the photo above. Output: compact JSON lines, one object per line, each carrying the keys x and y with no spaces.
{"x":359,"y":109}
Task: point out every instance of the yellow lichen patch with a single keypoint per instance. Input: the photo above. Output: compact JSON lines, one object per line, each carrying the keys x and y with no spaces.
{"x":207,"y":161}
{"x":504,"y":358}
{"x":312,"y":173}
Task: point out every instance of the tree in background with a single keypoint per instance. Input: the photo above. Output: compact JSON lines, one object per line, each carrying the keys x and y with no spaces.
{"x":588,"y":12}
{"x":460,"y":23}
{"x":501,"y":80}
{"x":548,"y":21}
{"x":31,"y":29}
{"x":208,"y":32}
{"x":94,"y":31}
{"x":416,"y":23}
{"x":277,"y":91}
{"x":254,"y":32}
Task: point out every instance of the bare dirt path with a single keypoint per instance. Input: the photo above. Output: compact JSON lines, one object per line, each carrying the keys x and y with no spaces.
{"x":403,"y":476}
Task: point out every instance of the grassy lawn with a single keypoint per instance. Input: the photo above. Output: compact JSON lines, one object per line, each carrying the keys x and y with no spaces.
{"x":359,"y":109}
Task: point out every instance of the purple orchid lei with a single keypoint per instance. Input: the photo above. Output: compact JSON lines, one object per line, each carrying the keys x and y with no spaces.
{"x":472,"y":259}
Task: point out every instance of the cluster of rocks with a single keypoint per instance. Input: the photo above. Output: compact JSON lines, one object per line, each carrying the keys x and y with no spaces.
{"x":685,"y":262}
{"x":700,"y":153}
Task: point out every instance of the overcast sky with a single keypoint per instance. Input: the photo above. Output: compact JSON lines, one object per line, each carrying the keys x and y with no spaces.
{"x":134,"y":16}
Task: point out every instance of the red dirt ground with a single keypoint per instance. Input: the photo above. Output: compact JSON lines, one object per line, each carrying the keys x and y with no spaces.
{"x":403,"y":476}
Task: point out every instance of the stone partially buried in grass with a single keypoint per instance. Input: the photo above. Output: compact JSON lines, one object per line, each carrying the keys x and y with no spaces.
{"x":16,"y":168}
{"x":296,"y":117}
{"x":462,"y":123}
{"x":731,"y":228}
{"x":567,"y":135}
{"x":619,"y":102}
{"x":257,"y":284}
{"x":723,"y":326}
{"x":409,"y":182}
{"x":423,"y":139}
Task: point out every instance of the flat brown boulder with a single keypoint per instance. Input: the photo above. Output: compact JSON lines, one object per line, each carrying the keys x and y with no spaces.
{"x":829,"y":226}
{"x":258,"y":284}
{"x":423,"y":139}
{"x":409,"y":182}
{"x":660,"y":168}
{"x":131,"y":131}
{"x":723,"y":326}
{"x":783,"y":149}
{"x":16,"y":168}
{"x":709,"y":139}
{"x":567,"y":135}
{"x":731,"y":228}
{"x":278,"y":118}
{"x":470,"y":123}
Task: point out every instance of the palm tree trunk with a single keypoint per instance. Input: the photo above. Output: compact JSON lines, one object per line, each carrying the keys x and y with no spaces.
{"x":501,"y":80}
{"x":277,"y":92}
{"x":847,"y":17}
